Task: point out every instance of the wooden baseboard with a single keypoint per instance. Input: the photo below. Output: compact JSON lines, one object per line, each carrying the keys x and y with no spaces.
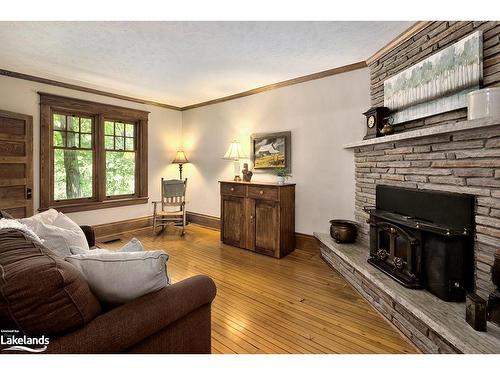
{"x":208,"y":221}
{"x":104,"y":232}
{"x":306,"y":242}
{"x":111,"y":231}
{"x":302,"y":241}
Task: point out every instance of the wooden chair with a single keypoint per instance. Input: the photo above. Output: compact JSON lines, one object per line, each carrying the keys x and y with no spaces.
{"x":173,"y":195}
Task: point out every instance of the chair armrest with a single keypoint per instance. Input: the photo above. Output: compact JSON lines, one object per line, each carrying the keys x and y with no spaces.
{"x":89,"y":234}
{"x":129,"y":324}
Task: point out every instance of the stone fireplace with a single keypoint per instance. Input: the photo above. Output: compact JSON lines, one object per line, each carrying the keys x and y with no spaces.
{"x":466,"y":161}
{"x":461,"y":157}
{"x":447,"y":153}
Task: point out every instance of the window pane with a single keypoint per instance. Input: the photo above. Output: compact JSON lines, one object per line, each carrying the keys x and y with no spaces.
{"x":129,"y":130}
{"x":119,"y":143}
{"x":72,"y":139}
{"x":72,"y":174}
{"x":119,"y":128}
{"x":86,"y":141}
{"x":73,"y":123}
{"x":120,"y":173}
{"x":109,"y":143}
{"x":58,"y":139}
{"x":86,"y":125}
{"x":129,"y":144}
{"x":109,"y":127}
{"x":59,"y":122}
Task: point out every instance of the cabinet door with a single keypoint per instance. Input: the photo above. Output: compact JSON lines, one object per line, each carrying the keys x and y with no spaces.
{"x":232,"y":220}
{"x":266,"y":227}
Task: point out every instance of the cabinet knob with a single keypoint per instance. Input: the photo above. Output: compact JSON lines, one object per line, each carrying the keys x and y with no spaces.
{"x":232,"y":189}
{"x":261,"y":192}
{"x":251,"y":217}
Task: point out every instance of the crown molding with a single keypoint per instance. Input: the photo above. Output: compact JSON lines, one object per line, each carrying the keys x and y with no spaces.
{"x":405,"y":35}
{"x":273,"y":86}
{"x":52,"y":82}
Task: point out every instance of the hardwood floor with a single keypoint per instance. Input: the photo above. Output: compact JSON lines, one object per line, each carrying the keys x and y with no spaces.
{"x":264,"y":305}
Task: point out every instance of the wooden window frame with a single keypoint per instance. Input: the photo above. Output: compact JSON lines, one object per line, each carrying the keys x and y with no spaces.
{"x":99,"y":112}
{"x":136,"y":151}
{"x":75,"y":201}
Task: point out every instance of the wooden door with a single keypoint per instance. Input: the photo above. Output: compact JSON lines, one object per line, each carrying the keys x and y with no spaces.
{"x":233,"y":220}
{"x":16,"y":164}
{"x":266,"y":227}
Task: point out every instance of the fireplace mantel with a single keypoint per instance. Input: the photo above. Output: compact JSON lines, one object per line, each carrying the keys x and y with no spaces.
{"x":430,"y":131}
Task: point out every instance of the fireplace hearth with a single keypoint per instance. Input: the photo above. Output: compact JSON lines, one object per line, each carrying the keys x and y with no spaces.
{"x":424,"y":239}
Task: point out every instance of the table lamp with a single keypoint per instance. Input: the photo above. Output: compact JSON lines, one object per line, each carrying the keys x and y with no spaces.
{"x":180,"y":158}
{"x":234,"y":153}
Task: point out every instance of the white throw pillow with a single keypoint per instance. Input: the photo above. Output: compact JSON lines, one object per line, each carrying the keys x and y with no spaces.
{"x":120,"y":277}
{"x":45,"y":217}
{"x":77,"y":250}
{"x":61,"y":234}
{"x":133,"y":245}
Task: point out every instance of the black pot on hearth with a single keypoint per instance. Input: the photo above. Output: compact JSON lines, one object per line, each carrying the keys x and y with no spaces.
{"x":343,"y":231}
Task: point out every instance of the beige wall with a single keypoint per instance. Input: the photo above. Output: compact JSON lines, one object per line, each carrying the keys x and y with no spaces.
{"x":164,"y":138}
{"x":322,"y":115}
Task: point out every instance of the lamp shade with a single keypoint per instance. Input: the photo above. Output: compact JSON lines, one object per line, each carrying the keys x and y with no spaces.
{"x":180,"y":158}
{"x":234,"y":152}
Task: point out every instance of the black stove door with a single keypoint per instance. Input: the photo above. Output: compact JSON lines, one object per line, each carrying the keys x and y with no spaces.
{"x":397,"y":251}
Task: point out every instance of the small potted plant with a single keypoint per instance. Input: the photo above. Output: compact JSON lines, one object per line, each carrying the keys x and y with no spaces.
{"x":282,"y":175}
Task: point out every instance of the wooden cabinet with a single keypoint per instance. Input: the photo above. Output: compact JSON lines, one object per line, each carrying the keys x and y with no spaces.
{"x":233,"y":220}
{"x":258,"y":216}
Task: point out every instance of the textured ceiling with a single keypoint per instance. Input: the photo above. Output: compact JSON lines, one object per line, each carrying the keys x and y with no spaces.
{"x":182,"y":63}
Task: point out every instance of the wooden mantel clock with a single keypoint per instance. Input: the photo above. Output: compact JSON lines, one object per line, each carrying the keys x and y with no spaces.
{"x":375,"y":121}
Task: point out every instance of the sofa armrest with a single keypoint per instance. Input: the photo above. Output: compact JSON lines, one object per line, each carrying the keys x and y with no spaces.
{"x":127,"y":325}
{"x":89,"y":234}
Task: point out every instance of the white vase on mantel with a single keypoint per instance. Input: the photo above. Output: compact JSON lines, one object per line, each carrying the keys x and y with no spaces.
{"x":281,"y":180}
{"x":483,"y":103}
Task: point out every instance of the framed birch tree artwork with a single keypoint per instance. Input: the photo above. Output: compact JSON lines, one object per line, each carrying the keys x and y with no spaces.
{"x":437,"y":84}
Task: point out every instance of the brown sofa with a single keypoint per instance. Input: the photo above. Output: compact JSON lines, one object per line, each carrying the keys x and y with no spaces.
{"x":41,"y":293}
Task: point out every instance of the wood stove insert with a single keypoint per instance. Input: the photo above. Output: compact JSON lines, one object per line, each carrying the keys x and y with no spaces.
{"x":424,"y":239}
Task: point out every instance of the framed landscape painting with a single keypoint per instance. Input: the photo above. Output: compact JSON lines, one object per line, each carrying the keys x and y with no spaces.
{"x":271,"y":151}
{"x":438,"y":84}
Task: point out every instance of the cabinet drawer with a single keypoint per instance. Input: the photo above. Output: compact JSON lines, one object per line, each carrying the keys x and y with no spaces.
{"x":263,"y":192}
{"x":233,"y":189}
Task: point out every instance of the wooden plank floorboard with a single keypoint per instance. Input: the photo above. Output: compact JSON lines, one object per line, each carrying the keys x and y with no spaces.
{"x":264,"y":305}
{"x":329,"y":311}
{"x":291,"y":298}
{"x":260,"y":343}
{"x":253,"y":331}
{"x":310,"y":328}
